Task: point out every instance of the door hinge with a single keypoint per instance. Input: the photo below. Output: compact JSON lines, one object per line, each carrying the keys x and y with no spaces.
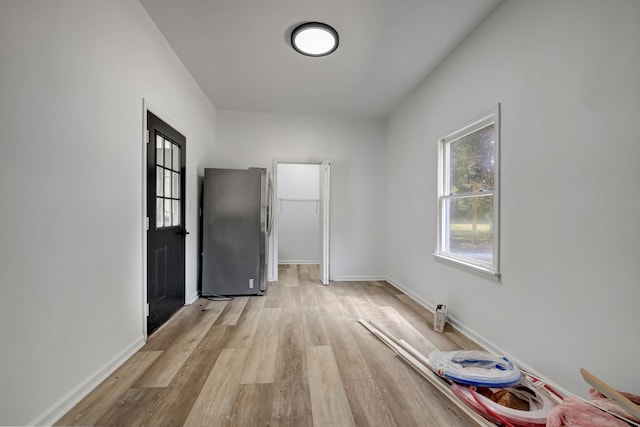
{"x":146,"y":223}
{"x":146,"y":136}
{"x":146,"y":310}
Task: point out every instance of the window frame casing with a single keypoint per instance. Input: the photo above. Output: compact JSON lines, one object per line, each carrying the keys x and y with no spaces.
{"x":443,"y":195}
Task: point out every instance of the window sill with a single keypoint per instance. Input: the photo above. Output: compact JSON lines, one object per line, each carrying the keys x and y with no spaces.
{"x":468,"y":266}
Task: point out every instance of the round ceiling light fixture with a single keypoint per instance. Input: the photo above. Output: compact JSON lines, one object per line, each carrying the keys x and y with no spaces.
{"x":314,"y":39}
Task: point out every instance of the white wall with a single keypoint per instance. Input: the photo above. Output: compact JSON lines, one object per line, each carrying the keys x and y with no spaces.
{"x":566,"y":73}
{"x":298,"y":181}
{"x":74,"y":74}
{"x":356,"y":148}
{"x":298,"y":213}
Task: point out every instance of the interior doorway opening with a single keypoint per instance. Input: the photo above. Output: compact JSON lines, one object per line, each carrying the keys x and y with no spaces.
{"x":301,"y":216}
{"x":298,"y":206}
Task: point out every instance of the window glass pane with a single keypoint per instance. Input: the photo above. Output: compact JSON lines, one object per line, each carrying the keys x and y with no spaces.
{"x":176,"y":212}
{"x":159,"y":178}
{"x":159,"y":150}
{"x":176,"y":157}
{"x":470,"y":228}
{"x":176,"y":185}
{"x":472,"y":162}
{"x":159,"y":213}
{"x":167,"y":183}
{"x":167,"y":153}
{"x":167,"y":213}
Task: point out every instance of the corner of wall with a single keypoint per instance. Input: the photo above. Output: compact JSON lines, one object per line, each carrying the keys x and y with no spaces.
{"x":192,"y":298}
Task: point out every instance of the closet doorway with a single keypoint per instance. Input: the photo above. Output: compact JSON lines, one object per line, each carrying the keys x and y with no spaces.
{"x":301,"y":216}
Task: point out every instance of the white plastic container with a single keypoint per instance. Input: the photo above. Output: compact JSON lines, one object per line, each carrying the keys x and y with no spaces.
{"x":440,"y":318}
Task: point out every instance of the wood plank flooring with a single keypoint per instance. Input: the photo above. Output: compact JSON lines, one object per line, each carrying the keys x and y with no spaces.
{"x":294,"y":357}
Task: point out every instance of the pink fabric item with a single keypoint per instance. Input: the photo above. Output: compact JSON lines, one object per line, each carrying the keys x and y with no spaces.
{"x":595,"y":394}
{"x":608,"y":404}
{"x":575,"y":413}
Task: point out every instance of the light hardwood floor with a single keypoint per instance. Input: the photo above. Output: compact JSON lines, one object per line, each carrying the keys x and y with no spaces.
{"x":294,"y":357}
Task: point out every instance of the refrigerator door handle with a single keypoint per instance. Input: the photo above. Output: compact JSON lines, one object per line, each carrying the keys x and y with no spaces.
{"x":269,"y":206}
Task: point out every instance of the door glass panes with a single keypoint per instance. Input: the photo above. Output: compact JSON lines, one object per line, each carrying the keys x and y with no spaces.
{"x":176,"y":157}
{"x":175,"y":212}
{"x":159,"y":213}
{"x":168,"y":183}
{"x":159,"y":150}
{"x":167,"y":153}
{"x":159,"y":181}
{"x":175,"y":184}
{"x":167,"y":213}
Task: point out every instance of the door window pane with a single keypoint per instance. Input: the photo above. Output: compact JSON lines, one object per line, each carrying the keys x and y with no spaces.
{"x":159,"y":213}
{"x":175,"y":179}
{"x":159,"y":150}
{"x":167,"y":213}
{"x":167,"y":153}
{"x":176,"y":157}
{"x":159,"y":180}
{"x":167,"y":183}
{"x":176,"y":213}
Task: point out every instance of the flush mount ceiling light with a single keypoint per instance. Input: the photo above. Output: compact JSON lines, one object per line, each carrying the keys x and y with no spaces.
{"x":314,"y":39}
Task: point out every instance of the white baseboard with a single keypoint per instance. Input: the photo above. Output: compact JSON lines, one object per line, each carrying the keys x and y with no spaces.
{"x":298,"y":261}
{"x":62,"y":406}
{"x":429,"y":305}
{"x":474,"y":336}
{"x":357,"y":278}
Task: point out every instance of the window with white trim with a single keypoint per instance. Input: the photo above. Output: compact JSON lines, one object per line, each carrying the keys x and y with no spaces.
{"x":468,"y":195}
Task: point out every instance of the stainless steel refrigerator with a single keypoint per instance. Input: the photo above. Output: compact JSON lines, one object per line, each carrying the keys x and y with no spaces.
{"x":236,"y":213}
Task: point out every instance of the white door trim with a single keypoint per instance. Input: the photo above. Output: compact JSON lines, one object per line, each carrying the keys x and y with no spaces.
{"x":325,"y":216}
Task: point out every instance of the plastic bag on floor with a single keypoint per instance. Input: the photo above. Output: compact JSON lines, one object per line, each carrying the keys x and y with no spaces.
{"x":476,"y":368}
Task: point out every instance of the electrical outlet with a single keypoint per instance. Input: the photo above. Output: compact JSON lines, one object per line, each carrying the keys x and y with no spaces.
{"x":250,"y":283}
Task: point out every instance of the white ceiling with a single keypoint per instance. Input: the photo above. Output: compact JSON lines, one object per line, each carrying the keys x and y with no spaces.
{"x":239,"y":51}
